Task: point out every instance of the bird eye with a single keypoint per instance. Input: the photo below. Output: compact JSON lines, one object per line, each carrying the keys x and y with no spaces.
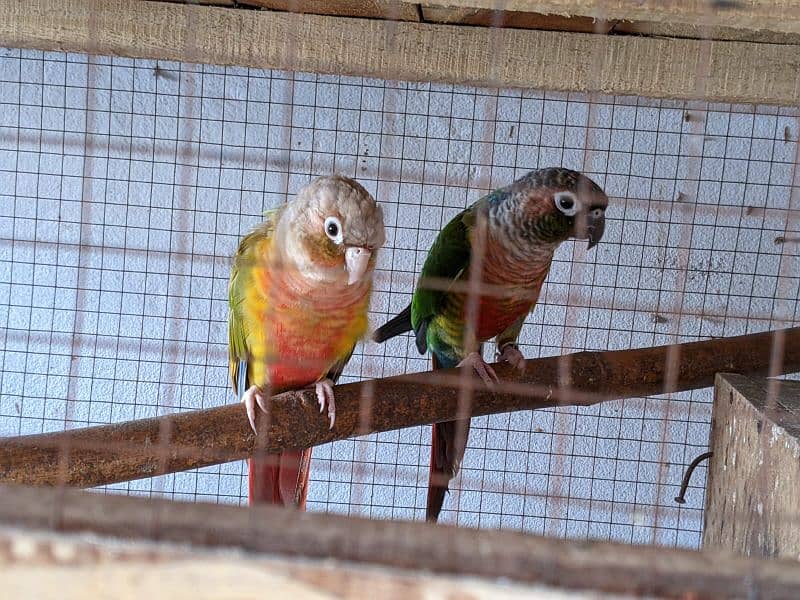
{"x":333,"y":229}
{"x":597,"y":213}
{"x":566,"y":203}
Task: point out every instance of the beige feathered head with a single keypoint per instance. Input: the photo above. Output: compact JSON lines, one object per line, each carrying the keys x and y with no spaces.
{"x":333,"y":229}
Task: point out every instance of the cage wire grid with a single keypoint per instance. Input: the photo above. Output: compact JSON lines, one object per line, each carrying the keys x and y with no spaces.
{"x":126,"y":185}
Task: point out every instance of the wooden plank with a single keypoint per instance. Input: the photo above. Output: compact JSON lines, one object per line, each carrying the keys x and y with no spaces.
{"x":671,"y":68}
{"x":753,"y":499}
{"x":770,"y":15}
{"x":698,"y":32}
{"x":440,"y":549}
{"x":211,"y":2}
{"x":148,"y":447}
{"x":372,"y":9}
{"x":61,"y":566}
{"x":507,"y":18}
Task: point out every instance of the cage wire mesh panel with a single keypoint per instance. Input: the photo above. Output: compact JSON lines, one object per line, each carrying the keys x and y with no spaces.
{"x":125,"y":186}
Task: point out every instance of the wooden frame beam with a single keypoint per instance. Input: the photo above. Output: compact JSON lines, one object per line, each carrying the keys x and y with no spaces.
{"x":63,"y":566}
{"x":771,"y":15}
{"x":176,"y":442}
{"x":659,"y":67}
{"x":283,"y":532}
{"x":514,"y":19}
{"x":372,"y":9}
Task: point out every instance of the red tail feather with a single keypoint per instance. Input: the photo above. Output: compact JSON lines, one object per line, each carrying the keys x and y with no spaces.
{"x":446,"y":456}
{"x":279,"y":478}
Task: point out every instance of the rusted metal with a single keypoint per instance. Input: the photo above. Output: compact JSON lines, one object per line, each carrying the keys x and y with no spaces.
{"x":681,"y":497}
{"x":640,"y":571}
{"x":121,"y":452}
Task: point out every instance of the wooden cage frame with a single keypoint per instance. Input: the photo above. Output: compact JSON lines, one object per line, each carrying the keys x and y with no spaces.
{"x":714,"y":50}
{"x":710,"y":50}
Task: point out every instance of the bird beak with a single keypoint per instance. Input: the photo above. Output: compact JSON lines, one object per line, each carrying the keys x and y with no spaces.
{"x":595,"y":229}
{"x":356,"y":260}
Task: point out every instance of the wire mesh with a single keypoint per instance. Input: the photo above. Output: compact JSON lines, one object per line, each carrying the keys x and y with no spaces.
{"x":125,"y":186}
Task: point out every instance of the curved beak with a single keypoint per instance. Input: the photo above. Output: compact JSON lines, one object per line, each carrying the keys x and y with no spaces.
{"x":595,"y":229}
{"x":356,"y":261}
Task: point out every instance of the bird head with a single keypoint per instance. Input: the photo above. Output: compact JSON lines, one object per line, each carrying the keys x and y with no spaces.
{"x":563,"y":203}
{"x":334,"y":230}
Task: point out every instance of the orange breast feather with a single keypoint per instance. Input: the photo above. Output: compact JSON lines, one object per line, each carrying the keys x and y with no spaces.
{"x":300,"y":330}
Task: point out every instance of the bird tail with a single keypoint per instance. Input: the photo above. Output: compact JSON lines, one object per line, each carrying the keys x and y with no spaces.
{"x":394,"y":327}
{"x":279,"y":478}
{"x":448,"y":442}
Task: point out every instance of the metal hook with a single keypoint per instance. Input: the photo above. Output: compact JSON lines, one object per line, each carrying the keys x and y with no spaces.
{"x":680,"y":498}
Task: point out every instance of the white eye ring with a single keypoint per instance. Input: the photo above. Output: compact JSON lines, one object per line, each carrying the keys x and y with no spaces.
{"x":333,"y":229}
{"x":567,"y":203}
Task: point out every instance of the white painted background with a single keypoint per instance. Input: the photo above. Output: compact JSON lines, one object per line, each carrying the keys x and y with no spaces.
{"x":124,"y":189}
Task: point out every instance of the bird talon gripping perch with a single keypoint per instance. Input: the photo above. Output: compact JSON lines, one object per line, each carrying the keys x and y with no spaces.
{"x":480,"y":366}
{"x":510,"y":353}
{"x":324,"y":391}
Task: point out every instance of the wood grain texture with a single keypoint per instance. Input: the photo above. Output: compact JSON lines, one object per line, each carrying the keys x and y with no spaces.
{"x":698,"y":32}
{"x":421,"y":547}
{"x":205,"y":578}
{"x":61,"y":566}
{"x":144,"y":448}
{"x":657,"y":67}
{"x":211,"y":2}
{"x":508,"y":18}
{"x":771,"y":15}
{"x":373,"y":9}
{"x":753,"y":497}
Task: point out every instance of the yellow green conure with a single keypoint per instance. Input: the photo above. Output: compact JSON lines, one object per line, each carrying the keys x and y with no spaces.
{"x":299,"y":293}
{"x":506,"y":241}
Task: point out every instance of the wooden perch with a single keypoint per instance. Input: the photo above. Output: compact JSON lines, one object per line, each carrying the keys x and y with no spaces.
{"x":144,"y":448}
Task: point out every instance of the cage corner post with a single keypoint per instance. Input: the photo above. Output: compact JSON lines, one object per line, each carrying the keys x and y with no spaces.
{"x":754,"y":475}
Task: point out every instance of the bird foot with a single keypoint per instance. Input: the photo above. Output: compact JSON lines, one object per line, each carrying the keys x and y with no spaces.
{"x":484,"y":371}
{"x":511,"y":354}
{"x":252,"y":397}
{"x":324,"y":391}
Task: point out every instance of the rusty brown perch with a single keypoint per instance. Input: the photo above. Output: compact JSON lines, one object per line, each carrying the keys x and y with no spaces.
{"x":144,"y":448}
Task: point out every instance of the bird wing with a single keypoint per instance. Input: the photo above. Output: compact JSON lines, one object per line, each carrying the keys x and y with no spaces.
{"x":448,"y":259}
{"x":244,"y":263}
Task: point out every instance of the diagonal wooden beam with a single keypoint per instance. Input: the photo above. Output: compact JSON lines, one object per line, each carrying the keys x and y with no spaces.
{"x":121,"y":452}
{"x":721,"y":71}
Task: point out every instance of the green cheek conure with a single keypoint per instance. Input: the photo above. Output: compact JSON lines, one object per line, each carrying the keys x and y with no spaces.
{"x":518,"y":229}
{"x":299,"y":293}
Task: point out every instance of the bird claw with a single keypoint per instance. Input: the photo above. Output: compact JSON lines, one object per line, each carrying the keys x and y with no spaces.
{"x":511,"y":354}
{"x":252,"y":397}
{"x":324,"y":390}
{"x":484,"y":371}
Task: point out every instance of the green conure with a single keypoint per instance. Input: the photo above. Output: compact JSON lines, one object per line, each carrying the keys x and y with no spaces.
{"x":482,"y":277}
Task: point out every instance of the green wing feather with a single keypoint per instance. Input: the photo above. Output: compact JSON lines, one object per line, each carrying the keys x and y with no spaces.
{"x":241,"y":278}
{"x":448,"y":258}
